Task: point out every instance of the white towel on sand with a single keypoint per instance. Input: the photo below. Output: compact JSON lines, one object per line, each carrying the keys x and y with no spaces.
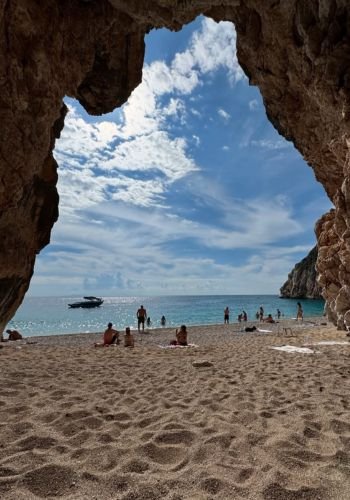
{"x":293,"y":348}
{"x":176,"y":346}
{"x":330,"y":342}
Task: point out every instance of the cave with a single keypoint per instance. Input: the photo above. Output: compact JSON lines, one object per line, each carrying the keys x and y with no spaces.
{"x":296,"y":52}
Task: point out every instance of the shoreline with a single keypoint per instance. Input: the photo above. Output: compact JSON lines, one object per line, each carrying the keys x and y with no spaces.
{"x":151,"y":336}
{"x":233,"y":325}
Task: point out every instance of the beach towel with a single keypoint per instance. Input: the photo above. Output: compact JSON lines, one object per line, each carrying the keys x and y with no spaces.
{"x":293,"y":348}
{"x":177,"y":346}
{"x":263,"y":331}
{"x":330,"y":342}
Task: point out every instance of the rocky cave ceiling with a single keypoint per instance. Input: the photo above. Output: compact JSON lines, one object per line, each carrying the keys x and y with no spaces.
{"x":295,"y":51}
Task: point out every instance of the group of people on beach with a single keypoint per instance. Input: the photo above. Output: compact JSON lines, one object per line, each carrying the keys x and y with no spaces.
{"x":111,"y":336}
{"x":142,"y":318}
{"x":260,"y":315}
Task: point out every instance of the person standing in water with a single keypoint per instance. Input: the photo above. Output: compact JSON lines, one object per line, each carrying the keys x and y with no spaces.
{"x":141,"y":318}
{"x":226,"y":315}
{"x":261,"y":313}
{"x":300,"y":313}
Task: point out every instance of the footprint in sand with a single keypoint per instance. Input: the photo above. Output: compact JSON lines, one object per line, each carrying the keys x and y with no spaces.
{"x":277,"y":492}
{"x":137,"y":466}
{"x":221,"y":440}
{"x":39,"y":442}
{"x":50,"y":480}
{"x":80,"y":438}
{"x":212,"y":485}
{"x":163,"y":455}
{"x":7,"y":471}
{"x":175,"y":437}
{"x":340,"y":427}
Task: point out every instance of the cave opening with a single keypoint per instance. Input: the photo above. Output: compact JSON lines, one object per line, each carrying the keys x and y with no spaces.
{"x":185,"y":189}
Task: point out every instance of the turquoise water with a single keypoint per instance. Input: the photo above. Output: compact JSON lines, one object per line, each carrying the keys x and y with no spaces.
{"x":51,"y":315}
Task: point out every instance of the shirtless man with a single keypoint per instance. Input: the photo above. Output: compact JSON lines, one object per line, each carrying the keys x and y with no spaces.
{"x":14,"y":335}
{"x":226,"y":315}
{"x":110,"y":337}
{"x":269,"y":319}
{"x":128,"y":338}
{"x":141,"y":318}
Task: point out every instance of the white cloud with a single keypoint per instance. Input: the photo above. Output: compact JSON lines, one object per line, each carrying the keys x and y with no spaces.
{"x":225,"y":148}
{"x":141,"y":142}
{"x":114,"y":182}
{"x":196,"y":140}
{"x":226,"y":116}
{"x":195,"y":113}
{"x":268,"y":144}
{"x":253,"y":105}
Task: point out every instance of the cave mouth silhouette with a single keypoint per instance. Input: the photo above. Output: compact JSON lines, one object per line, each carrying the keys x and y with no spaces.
{"x":296,"y":55}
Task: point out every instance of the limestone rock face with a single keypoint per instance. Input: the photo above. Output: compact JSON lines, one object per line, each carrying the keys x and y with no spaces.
{"x":301,"y":282}
{"x":297,"y":52}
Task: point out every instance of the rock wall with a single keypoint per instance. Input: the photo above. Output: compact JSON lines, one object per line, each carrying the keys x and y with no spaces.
{"x":296,"y":52}
{"x":301,"y":282}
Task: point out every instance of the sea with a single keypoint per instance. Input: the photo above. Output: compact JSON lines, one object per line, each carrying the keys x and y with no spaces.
{"x":51,"y":315}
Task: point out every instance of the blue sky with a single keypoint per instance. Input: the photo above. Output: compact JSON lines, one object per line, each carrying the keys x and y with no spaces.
{"x":186,"y":189}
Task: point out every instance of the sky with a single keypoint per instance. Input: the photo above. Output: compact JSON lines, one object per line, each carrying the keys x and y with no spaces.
{"x":186,"y":189}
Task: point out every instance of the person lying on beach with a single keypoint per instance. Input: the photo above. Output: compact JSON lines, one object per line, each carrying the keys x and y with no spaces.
{"x":128,"y":338}
{"x":110,"y":337}
{"x":250,"y":328}
{"x":14,"y":335}
{"x":269,"y":319}
{"x":181,"y":336}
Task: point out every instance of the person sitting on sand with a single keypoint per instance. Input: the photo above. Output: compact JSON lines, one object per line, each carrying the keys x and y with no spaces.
{"x":14,"y":335}
{"x":110,"y":337}
{"x":181,"y":336}
{"x":128,"y":338}
{"x":269,"y":319}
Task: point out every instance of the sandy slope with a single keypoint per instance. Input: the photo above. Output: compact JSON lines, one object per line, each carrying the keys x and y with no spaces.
{"x":79,"y":422}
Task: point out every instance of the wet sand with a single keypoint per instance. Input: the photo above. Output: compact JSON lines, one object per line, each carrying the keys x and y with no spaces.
{"x":145,"y":423}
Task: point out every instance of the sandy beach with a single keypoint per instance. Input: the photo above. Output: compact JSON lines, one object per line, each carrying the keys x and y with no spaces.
{"x":229,"y":419}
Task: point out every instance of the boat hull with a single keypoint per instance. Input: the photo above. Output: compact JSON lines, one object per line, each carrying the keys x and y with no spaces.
{"x":85,"y":305}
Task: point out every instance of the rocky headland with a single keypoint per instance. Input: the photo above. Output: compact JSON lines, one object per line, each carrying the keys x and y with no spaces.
{"x":302,"y":280}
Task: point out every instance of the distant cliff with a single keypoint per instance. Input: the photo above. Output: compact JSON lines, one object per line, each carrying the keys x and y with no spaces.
{"x":301,"y":282}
